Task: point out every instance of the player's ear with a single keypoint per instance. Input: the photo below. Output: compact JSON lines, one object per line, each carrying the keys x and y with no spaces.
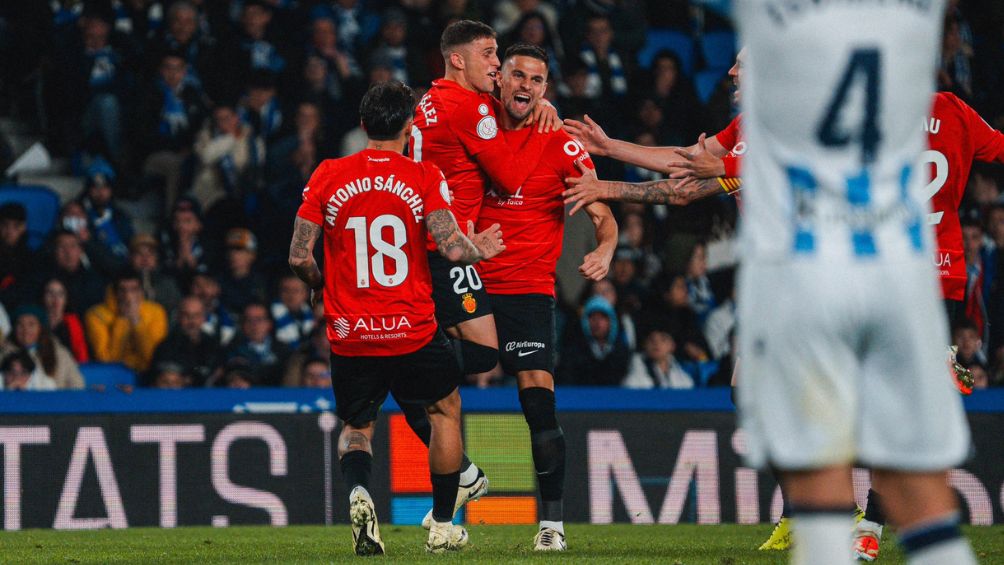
{"x":407,"y":128}
{"x":457,"y":60}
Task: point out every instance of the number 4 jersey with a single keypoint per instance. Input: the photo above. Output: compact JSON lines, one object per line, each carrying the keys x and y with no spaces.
{"x":957,"y":136}
{"x":371,"y":207}
{"x":834,"y":95}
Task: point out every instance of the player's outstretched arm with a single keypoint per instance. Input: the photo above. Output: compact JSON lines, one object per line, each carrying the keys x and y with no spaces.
{"x":301,"y":256}
{"x":661,"y":159}
{"x":587,"y":189}
{"x":457,"y":247}
{"x":699,"y":162}
{"x":596,"y":263}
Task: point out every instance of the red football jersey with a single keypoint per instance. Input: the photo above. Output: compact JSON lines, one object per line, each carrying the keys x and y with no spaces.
{"x":957,"y":136}
{"x":456,"y":129}
{"x":532,"y":218}
{"x":731,"y":138}
{"x":377,"y":286}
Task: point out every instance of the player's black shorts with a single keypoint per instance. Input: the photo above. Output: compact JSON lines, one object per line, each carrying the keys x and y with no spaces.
{"x":423,"y":377}
{"x":526,"y":330}
{"x":955,"y":310}
{"x":457,"y":292}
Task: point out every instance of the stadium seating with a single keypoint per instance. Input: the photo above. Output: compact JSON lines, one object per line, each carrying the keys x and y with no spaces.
{"x":42,"y":205}
{"x":676,"y":41}
{"x":718,"y":49}
{"x":705,"y":82}
{"x":106,"y":375}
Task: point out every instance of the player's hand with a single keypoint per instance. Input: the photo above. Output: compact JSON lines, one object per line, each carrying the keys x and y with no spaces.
{"x":488,"y":242}
{"x":702,"y":164}
{"x":316,"y":297}
{"x":545,"y":115}
{"x":583,"y":191}
{"x":595,"y":266}
{"x":590,"y":134}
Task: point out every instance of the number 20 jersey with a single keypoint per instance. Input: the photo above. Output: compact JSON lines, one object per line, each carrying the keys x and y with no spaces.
{"x":834,"y":96}
{"x":371,"y":207}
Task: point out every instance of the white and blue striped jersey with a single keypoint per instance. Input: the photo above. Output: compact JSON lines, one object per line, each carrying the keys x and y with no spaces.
{"x":834,"y":95}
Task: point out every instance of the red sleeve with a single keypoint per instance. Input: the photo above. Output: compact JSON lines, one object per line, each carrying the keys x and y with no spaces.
{"x":988,"y":143}
{"x":476,"y":128}
{"x":436,"y":195}
{"x":729,"y":136}
{"x":570,"y":151}
{"x":733,"y":164}
{"x":78,"y":344}
{"x":311,"y":208}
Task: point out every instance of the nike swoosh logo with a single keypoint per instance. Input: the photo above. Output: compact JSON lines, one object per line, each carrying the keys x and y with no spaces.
{"x":525,"y":353}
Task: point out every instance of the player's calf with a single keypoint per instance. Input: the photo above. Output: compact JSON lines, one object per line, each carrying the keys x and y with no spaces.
{"x":547,"y":442}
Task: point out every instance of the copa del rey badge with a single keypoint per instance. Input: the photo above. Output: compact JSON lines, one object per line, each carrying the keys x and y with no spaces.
{"x":469,"y":303}
{"x":487,"y":128}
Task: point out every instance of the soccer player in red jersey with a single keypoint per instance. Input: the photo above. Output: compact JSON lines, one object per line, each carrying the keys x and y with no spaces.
{"x":456,"y":128}
{"x":377,"y":209}
{"x":520,"y":282}
{"x":957,"y":136}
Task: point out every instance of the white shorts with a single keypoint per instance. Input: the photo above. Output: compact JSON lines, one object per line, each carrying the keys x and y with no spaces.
{"x":845,"y":364}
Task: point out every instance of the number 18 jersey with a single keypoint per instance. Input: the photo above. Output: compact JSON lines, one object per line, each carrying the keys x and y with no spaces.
{"x":371,"y":207}
{"x":834,"y":95}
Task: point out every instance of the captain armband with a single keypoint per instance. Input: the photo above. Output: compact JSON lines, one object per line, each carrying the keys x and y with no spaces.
{"x":730,"y":185}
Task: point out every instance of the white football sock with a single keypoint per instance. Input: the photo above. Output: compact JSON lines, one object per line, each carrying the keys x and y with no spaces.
{"x":822,"y":537}
{"x":869,"y":526}
{"x":954,"y":552}
{"x":559,"y":526}
{"x":469,"y":475}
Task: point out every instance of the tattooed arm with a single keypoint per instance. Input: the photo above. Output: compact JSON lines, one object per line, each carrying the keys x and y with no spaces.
{"x":587,"y":189}
{"x":455,"y":246}
{"x":301,"y":253}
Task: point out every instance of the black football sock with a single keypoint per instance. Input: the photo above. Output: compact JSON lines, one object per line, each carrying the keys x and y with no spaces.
{"x":873,"y":512}
{"x":356,"y":466}
{"x":547,"y":442}
{"x":444,"y":495}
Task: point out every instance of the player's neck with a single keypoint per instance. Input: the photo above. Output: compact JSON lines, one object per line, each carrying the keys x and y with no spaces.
{"x":394,"y":145}
{"x":508,"y":122}
{"x":458,"y":77}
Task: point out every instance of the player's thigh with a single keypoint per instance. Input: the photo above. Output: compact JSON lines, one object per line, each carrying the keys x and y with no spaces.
{"x":428,"y":375}
{"x":460,"y":297}
{"x":912,"y":416}
{"x":526,"y":333}
{"x":361,"y":385}
{"x":796,"y":396}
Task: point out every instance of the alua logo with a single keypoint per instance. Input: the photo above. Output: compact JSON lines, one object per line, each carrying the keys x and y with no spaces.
{"x":385,"y":324}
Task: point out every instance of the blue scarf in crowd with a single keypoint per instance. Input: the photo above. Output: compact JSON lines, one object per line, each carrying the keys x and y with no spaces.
{"x":173,"y":117}
{"x":594,"y":83}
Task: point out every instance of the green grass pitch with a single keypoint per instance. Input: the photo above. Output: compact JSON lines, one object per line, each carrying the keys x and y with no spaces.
{"x":682,"y":544}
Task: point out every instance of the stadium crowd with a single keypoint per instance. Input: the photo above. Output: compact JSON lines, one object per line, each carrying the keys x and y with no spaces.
{"x":223,"y":109}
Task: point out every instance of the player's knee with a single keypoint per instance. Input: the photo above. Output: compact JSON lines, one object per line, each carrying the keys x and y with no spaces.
{"x":478,"y":358}
{"x":538,"y":409}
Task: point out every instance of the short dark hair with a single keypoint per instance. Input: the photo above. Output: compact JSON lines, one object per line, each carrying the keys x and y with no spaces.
{"x":127,"y":274}
{"x":462,"y":32}
{"x":525,"y":50}
{"x":385,"y":109}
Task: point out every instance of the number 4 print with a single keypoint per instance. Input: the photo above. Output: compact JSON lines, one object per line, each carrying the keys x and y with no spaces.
{"x":866,"y":64}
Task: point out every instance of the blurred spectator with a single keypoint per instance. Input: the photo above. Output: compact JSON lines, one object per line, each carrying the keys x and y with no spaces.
{"x":317,"y":347}
{"x":237,"y":374}
{"x":185,"y":250}
{"x":357,"y":24}
{"x":595,"y":352}
{"x":675,"y":95}
{"x":626,"y":310}
{"x":608,"y":71}
{"x":241,"y":284}
{"x":265,"y":356}
{"x":85,"y":285}
{"x":624,"y":274}
{"x":64,"y":322}
{"x":109,"y":226}
{"x":510,"y":15}
{"x":261,"y":109}
{"x":138,"y":19}
{"x":5,"y":328}
{"x":51,"y":358}
{"x":967,"y":337}
{"x":226,"y":148}
{"x":126,"y":328}
{"x":981,"y":378}
{"x":171,"y":112}
{"x":169,"y":375}
{"x":19,"y":373}
{"x":342,"y":67}
{"x":670,"y":309}
{"x":291,"y":160}
{"x":720,"y":325}
{"x":15,"y":257}
{"x":316,"y":374}
{"x":158,"y":285}
{"x":534,"y":27}
{"x":91,"y":74}
{"x":655,"y":366}
{"x":252,"y":49}
{"x":392,"y":48}
{"x":182,"y":35}
{"x":972,"y":244}
{"x":219,"y":322}
{"x":955,"y":74}
{"x":632,"y":234}
{"x":294,"y":318}
{"x":197,"y":352}
{"x":699,"y":292}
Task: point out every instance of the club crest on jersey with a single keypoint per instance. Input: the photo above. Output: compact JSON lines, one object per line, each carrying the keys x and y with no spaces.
{"x":487,"y":128}
{"x":483,"y":109}
{"x":341,"y":327}
{"x":444,"y":191}
{"x":469,"y":303}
